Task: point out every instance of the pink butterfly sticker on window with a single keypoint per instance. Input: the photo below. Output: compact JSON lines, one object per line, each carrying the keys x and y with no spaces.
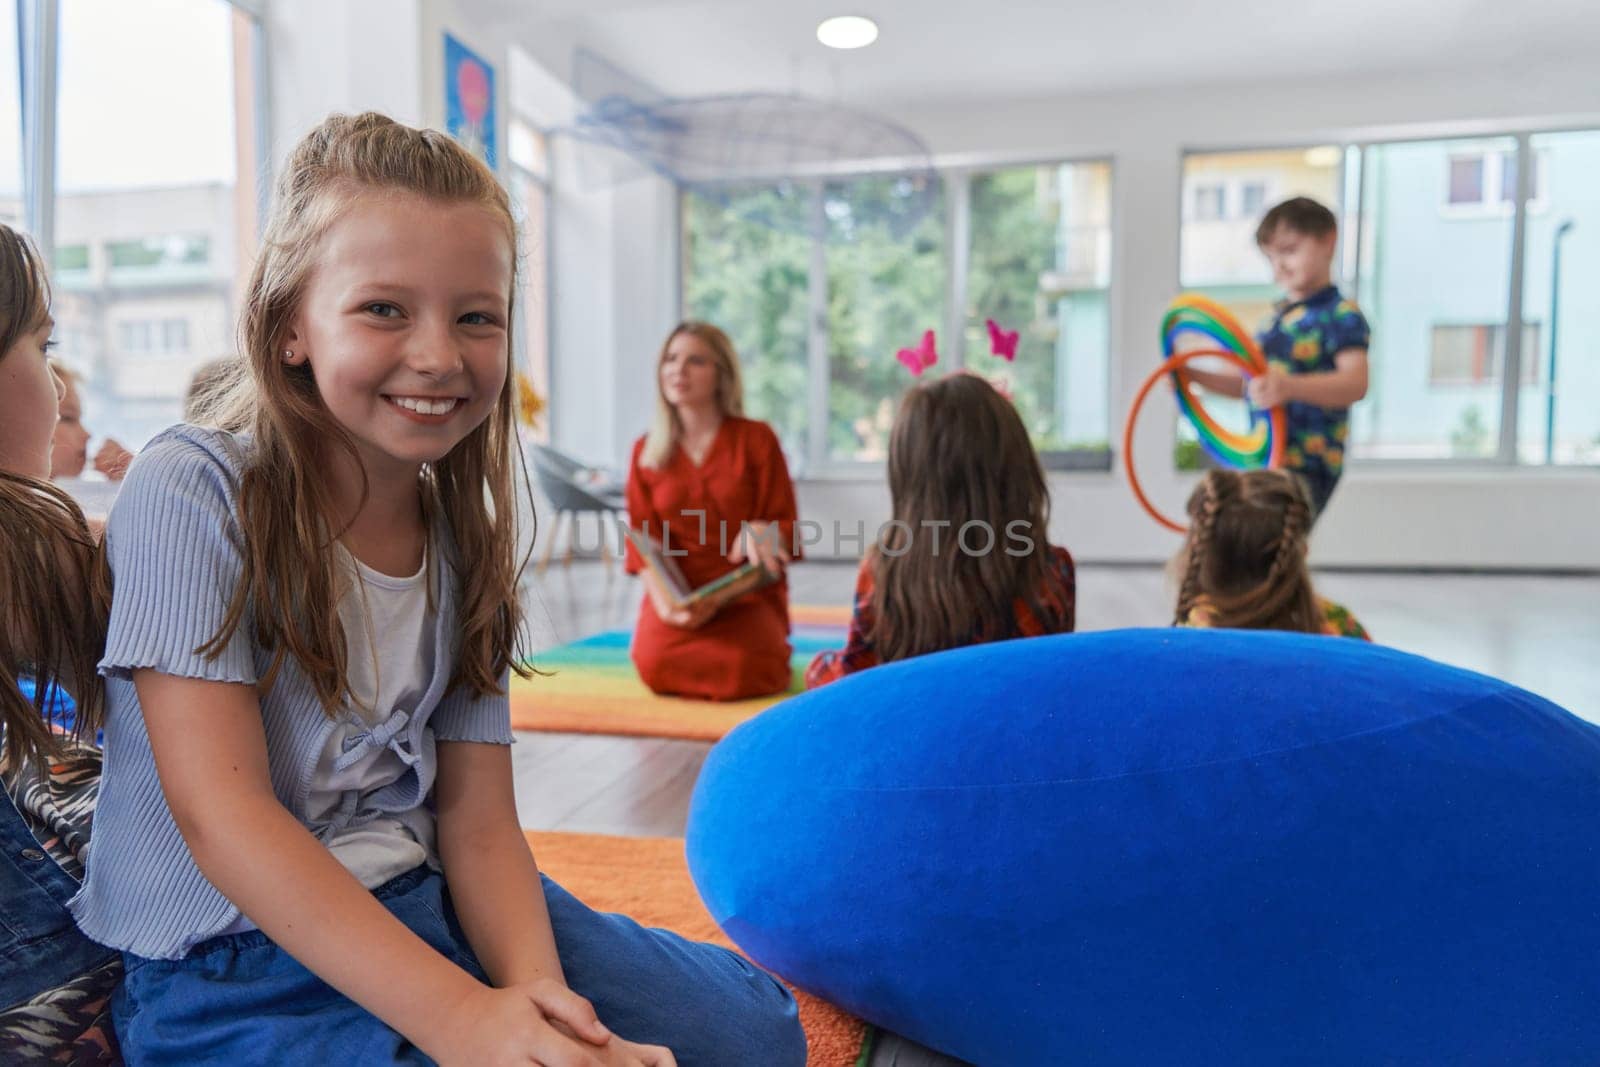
{"x":920,"y":358}
{"x":1002,"y":343}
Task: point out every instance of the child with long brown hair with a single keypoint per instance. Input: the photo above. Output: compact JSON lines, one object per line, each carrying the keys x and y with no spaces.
{"x":309,"y":847}
{"x":965,"y":558}
{"x":1243,"y":562}
{"x":55,"y":983}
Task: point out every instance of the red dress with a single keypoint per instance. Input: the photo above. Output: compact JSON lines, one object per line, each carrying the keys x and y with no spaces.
{"x":744,"y":650}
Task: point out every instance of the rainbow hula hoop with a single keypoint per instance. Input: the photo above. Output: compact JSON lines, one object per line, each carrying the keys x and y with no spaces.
{"x":1259,"y":446}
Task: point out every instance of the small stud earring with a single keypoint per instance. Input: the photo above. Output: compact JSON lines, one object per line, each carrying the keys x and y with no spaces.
{"x":288,"y":356}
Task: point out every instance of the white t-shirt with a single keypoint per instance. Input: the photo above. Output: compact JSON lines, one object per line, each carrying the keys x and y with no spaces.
{"x":388,"y":631}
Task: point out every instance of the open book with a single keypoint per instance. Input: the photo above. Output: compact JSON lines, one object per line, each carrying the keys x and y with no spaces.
{"x":737,"y":582}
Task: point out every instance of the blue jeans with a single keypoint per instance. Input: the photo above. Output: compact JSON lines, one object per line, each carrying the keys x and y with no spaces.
{"x":240,"y":999}
{"x":40,"y":946}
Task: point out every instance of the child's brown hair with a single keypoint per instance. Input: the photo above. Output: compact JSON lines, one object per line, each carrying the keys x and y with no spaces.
{"x":960,"y":454}
{"x":1244,"y":560}
{"x":54,"y":592}
{"x":1301,"y":214}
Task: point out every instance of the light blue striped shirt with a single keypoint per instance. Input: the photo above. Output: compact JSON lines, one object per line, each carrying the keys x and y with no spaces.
{"x":173,"y":541}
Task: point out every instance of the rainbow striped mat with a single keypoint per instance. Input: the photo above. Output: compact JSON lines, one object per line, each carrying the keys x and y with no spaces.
{"x":591,"y":687}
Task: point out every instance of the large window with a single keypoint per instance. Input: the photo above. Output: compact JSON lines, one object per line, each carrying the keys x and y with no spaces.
{"x":174,"y":250}
{"x":1040,"y":264}
{"x":746,"y":267}
{"x":1474,"y":354}
{"x":1429,"y":248}
{"x":10,"y":121}
{"x":1486,"y":179}
{"x":1559,"y":403}
{"x":1225,"y":195}
{"x":885,"y":290}
{"x":1424,"y":265}
{"x":155,"y":200}
{"x":143,"y":337}
{"x":821,"y":284}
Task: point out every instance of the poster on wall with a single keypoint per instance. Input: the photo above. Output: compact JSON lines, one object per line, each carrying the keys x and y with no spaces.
{"x":469,"y":100}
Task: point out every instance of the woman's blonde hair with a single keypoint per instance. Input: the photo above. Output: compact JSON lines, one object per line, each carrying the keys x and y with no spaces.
{"x":54,"y":589}
{"x":1244,"y":559}
{"x":667,"y":429}
{"x":291,"y":586}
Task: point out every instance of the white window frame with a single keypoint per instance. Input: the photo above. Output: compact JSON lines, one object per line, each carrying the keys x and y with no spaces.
{"x":1210,"y":185}
{"x":1495,"y":203}
{"x":1240,"y":210}
{"x":175,"y":328}
{"x":1463,"y":384}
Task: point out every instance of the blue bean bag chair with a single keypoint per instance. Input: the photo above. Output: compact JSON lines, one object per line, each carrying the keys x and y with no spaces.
{"x":59,"y":709}
{"x":1172,"y":847}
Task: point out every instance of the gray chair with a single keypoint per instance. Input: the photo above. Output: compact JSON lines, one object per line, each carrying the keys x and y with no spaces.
{"x":558,"y":477}
{"x":555,"y":459}
{"x":579,"y":472}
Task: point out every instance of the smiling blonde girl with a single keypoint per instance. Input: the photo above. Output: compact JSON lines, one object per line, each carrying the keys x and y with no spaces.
{"x":308,"y":849}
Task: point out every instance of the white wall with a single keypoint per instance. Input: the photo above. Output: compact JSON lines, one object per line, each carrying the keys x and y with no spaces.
{"x":647,"y":284}
{"x":371,"y":55}
{"x":613,"y":280}
{"x":614,"y":292}
{"x":586,"y":310}
{"x":349,"y":56}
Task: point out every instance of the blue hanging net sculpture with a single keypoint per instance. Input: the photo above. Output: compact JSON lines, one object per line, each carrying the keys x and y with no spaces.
{"x":723,"y":146}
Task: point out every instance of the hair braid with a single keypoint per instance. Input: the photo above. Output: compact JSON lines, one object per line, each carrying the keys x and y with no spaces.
{"x":1203,"y":508}
{"x":1247,"y":553}
{"x":1291,"y":541}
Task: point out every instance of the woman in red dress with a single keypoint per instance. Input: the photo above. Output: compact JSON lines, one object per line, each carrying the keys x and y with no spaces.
{"x":714,"y":488}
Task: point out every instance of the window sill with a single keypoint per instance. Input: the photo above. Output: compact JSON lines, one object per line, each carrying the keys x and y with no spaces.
{"x":1467,"y":470}
{"x":1097,"y":461}
{"x":1100,"y":465}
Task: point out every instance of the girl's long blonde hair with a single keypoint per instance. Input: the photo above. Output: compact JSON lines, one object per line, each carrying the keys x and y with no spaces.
{"x":667,"y":429}
{"x":288,"y":597}
{"x":1244,"y":558}
{"x":54,"y":589}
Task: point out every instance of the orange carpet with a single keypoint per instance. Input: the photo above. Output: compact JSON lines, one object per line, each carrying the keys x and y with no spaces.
{"x":591,"y":687}
{"x":647,"y":878}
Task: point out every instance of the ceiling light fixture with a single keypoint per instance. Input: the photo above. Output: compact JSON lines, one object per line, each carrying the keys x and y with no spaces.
{"x":847,"y":31}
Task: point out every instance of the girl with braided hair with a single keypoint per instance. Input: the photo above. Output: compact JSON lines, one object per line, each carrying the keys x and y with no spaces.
{"x":1243,"y":564}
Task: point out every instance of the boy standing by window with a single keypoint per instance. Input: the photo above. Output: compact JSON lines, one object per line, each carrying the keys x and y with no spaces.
{"x":1315,"y":344}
